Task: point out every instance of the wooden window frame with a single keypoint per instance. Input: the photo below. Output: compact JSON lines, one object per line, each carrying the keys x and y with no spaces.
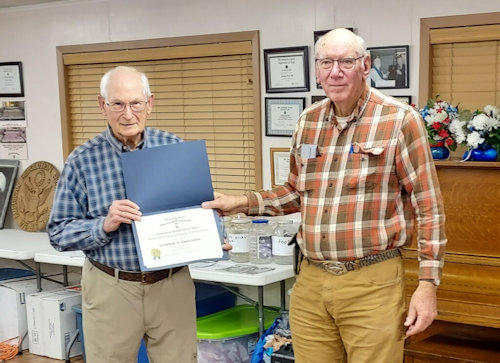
{"x":252,"y":36}
{"x":428,"y":24}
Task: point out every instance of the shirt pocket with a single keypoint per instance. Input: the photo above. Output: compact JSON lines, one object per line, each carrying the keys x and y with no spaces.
{"x":308,"y":171}
{"x":364,"y":167}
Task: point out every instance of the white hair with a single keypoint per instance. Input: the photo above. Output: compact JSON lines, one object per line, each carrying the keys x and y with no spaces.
{"x":359,"y":43}
{"x":107,"y":76}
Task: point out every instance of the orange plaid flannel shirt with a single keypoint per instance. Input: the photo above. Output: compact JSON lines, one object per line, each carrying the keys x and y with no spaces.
{"x":364,"y":186}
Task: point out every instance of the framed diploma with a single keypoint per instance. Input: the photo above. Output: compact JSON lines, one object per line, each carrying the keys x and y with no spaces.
{"x":280,"y":165}
{"x":282,"y":115}
{"x":287,"y":69}
{"x":11,"y":79}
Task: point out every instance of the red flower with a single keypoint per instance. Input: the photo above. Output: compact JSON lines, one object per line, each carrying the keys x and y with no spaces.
{"x":443,"y":134}
{"x":436,"y":125}
{"x":449,"y":141}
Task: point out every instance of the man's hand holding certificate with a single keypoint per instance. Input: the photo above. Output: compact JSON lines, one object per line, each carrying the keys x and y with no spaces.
{"x":169,"y":183}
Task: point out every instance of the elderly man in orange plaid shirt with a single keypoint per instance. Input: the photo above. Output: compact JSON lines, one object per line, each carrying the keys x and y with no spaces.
{"x":361,"y":174}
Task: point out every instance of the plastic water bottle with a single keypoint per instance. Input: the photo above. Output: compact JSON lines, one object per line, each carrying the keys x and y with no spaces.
{"x":237,"y":236}
{"x":260,"y":236}
{"x":282,"y":252}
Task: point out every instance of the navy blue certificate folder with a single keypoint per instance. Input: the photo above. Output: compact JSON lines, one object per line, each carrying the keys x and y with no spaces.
{"x":167,"y":178}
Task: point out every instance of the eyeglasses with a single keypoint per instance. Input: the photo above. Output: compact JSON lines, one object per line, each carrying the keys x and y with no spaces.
{"x":135,"y":106}
{"x":345,"y":64}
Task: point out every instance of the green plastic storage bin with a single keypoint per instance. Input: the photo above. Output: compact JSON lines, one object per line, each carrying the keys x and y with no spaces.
{"x":230,"y":335}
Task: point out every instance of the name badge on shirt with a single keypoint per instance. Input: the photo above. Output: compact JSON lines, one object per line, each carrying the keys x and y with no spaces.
{"x":308,"y":151}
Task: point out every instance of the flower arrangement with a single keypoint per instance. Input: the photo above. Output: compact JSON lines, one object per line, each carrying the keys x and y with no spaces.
{"x":438,"y":116}
{"x":478,"y":129}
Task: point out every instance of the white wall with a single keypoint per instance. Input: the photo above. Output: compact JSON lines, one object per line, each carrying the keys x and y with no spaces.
{"x":31,"y":34}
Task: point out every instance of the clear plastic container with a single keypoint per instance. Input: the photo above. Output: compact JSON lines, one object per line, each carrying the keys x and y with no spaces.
{"x":283,"y":233}
{"x":260,"y":237}
{"x":237,"y":236}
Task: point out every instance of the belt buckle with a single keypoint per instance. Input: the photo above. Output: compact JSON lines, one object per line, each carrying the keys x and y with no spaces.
{"x":335,"y":267}
{"x":143,"y":278}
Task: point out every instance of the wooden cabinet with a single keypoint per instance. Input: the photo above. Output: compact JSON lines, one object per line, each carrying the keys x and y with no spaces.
{"x":469,"y":294}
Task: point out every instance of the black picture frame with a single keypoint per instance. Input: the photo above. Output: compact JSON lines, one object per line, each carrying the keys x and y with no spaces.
{"x":315,"y":99}
{"x":282,"y":115}
{"x":8,"y":174}
{"x":390,"y":67}
{"x":287,"y":69}
{"x":406,"y":99}
{"x":11,"y":79}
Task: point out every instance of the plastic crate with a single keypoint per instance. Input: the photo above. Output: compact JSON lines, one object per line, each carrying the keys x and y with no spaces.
{"x":230,"y":336}
{"x":212,"y":298}
{"x":14,"y":273}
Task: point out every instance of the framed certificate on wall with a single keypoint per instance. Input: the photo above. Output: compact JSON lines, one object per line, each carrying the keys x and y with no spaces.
{"x":280,"y":165}
{"x":11,"y":79}
{"x":287,"y":69}
{"x":282,"y":115}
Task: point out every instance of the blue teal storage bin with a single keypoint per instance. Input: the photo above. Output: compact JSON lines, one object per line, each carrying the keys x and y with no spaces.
{"x":8,"y":273}
{"x":212,"y":298}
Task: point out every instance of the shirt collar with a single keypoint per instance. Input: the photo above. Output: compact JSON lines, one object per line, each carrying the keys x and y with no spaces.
{"x":117,"y":145}
{"x":358,"y":110}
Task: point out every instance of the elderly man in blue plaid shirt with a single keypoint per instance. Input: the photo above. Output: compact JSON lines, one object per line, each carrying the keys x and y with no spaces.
{"x":90,"y":212}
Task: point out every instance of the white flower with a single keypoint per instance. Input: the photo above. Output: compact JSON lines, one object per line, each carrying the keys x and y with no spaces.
{"x":474,"y":139}
{"x":435,"y":116}
{"x":479,"y":122}
{"x":491,"y":110}
{"x":457,"y":129}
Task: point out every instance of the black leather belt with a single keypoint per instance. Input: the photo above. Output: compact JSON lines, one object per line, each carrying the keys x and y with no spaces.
{"x":144,"y":277}
{"x":342,"y":267}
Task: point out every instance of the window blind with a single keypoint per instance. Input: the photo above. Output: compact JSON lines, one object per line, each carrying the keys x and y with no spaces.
{"x":466,"y":65}
{"x":208,"y":95}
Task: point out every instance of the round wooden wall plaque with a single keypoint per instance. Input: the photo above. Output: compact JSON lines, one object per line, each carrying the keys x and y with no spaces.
{"x":32,"y":196}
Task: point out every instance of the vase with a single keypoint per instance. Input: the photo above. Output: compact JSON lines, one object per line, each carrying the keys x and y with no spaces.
{"x":481,"y":153}
{"x":439,"y":151}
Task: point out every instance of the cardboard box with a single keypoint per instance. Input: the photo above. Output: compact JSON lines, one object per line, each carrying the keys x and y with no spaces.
{"x":52,"y":322}
{"x":13,"y":294}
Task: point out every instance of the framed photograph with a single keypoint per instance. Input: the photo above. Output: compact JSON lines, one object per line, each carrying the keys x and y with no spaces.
{"x":282,"y":115}
{"x":8,"y":173}
{"x":390,"y":67}
{"x":406,"y":99}
{"x":287,"y":69}
{"x":11,"y":79}
{"x":280,"y":165}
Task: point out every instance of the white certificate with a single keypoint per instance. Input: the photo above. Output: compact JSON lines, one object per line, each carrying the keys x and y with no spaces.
{"x":287,"y":71}
{"x":281,"y":167}
{"x":177,"y":238}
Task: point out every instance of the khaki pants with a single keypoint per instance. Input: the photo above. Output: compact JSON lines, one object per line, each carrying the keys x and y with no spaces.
{"x":356,"y":317}
{"x":117,"y":314}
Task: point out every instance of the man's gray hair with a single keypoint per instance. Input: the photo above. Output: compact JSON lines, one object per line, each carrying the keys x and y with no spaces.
{"x":360,"y":44}
{"x":107,"y":75}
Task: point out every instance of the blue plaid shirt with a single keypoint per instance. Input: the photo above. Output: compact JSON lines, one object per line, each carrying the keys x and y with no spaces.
{"x":90,"y":181}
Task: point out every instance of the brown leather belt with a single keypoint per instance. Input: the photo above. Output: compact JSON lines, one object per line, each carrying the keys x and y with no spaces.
{"x":144,"y":277}
{"x":342,"y":267}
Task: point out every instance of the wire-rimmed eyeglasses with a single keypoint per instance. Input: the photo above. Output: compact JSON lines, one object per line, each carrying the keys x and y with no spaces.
{"x":118,"y":106}
{"x":345,"y":64}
